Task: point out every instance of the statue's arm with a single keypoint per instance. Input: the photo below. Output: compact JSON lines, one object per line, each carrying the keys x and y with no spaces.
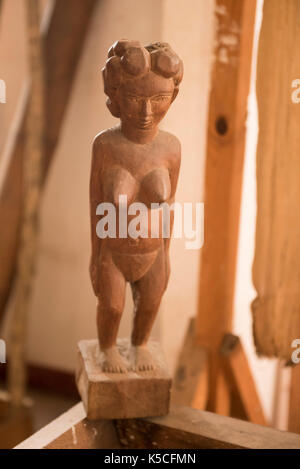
{"x":174,"y":174}
{"x":95,"y":199}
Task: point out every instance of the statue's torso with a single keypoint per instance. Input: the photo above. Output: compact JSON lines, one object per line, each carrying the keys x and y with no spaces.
{"x":144,"y":173}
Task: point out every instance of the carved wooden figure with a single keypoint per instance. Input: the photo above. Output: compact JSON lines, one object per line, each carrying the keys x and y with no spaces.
{"x":134,"y":162}
{"x":139,"y":161}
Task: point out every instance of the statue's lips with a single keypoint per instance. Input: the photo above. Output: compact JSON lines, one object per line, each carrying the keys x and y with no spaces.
{"x":145,"y":123}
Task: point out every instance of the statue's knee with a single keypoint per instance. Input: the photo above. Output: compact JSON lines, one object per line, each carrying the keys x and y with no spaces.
{"x":115,"y":312}
{"x":109,"y":311}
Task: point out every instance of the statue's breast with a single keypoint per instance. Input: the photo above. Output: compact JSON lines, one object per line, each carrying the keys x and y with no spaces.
{"x":117,"y":182}
{"x":154,"y":187}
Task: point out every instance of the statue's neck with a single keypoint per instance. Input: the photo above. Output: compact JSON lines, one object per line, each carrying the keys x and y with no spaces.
{"x":136,"y":135}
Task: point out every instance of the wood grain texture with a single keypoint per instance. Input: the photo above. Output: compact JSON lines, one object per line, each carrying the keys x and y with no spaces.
{"x":64,"y":31}
{"x":276,"y":268}
{"x":189,"y":428}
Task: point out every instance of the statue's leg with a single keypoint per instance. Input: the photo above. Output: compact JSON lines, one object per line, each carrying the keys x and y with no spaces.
{"x":110,"y":308}
{"x":147,"y":295}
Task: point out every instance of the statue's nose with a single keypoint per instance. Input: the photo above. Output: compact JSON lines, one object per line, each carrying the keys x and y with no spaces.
{"x":146,"y":108}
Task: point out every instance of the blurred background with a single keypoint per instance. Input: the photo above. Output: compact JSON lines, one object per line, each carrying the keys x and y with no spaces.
{"x":62,"y":305}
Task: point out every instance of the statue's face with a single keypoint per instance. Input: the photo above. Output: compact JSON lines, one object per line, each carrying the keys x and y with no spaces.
{"x":144,"y":101}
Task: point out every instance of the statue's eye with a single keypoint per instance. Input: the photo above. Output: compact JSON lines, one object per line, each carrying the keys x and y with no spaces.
{"x":133,"y":99}
{"x":160,"y":98}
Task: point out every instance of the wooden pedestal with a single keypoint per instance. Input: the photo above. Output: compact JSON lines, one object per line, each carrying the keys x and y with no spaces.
{"x":118,"y":395}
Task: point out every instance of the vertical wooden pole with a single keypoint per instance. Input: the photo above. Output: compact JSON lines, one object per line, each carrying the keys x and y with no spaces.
{"x":223,"y":180}
{"x":34,"y":150}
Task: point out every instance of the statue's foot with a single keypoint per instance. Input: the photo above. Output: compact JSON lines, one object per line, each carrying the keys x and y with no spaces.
{"x":142,"y":359}
{"x":113,"y":362}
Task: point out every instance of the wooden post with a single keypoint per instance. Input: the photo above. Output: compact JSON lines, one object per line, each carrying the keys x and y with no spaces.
{"x":230,"y":83}
{"x":34,"y":152}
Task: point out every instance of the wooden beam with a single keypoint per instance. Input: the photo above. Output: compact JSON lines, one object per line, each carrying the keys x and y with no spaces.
{"x":237,"y":370}
{"x":230,"y":81}
{"x":182,"y":428}
{"x":64,"y":30}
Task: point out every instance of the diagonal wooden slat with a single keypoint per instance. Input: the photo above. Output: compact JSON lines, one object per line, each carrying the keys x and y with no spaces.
{"x":64,"y":29}
{"x":238,"y":372}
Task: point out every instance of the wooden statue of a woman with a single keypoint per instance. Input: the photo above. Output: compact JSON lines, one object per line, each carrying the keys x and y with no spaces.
{"x":137,"y":161}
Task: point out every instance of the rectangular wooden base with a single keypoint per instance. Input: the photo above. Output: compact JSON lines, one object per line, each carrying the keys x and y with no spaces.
{"x":119,"y":395}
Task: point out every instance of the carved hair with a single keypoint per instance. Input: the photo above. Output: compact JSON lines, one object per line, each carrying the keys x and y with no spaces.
{"x":129,"y":59}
